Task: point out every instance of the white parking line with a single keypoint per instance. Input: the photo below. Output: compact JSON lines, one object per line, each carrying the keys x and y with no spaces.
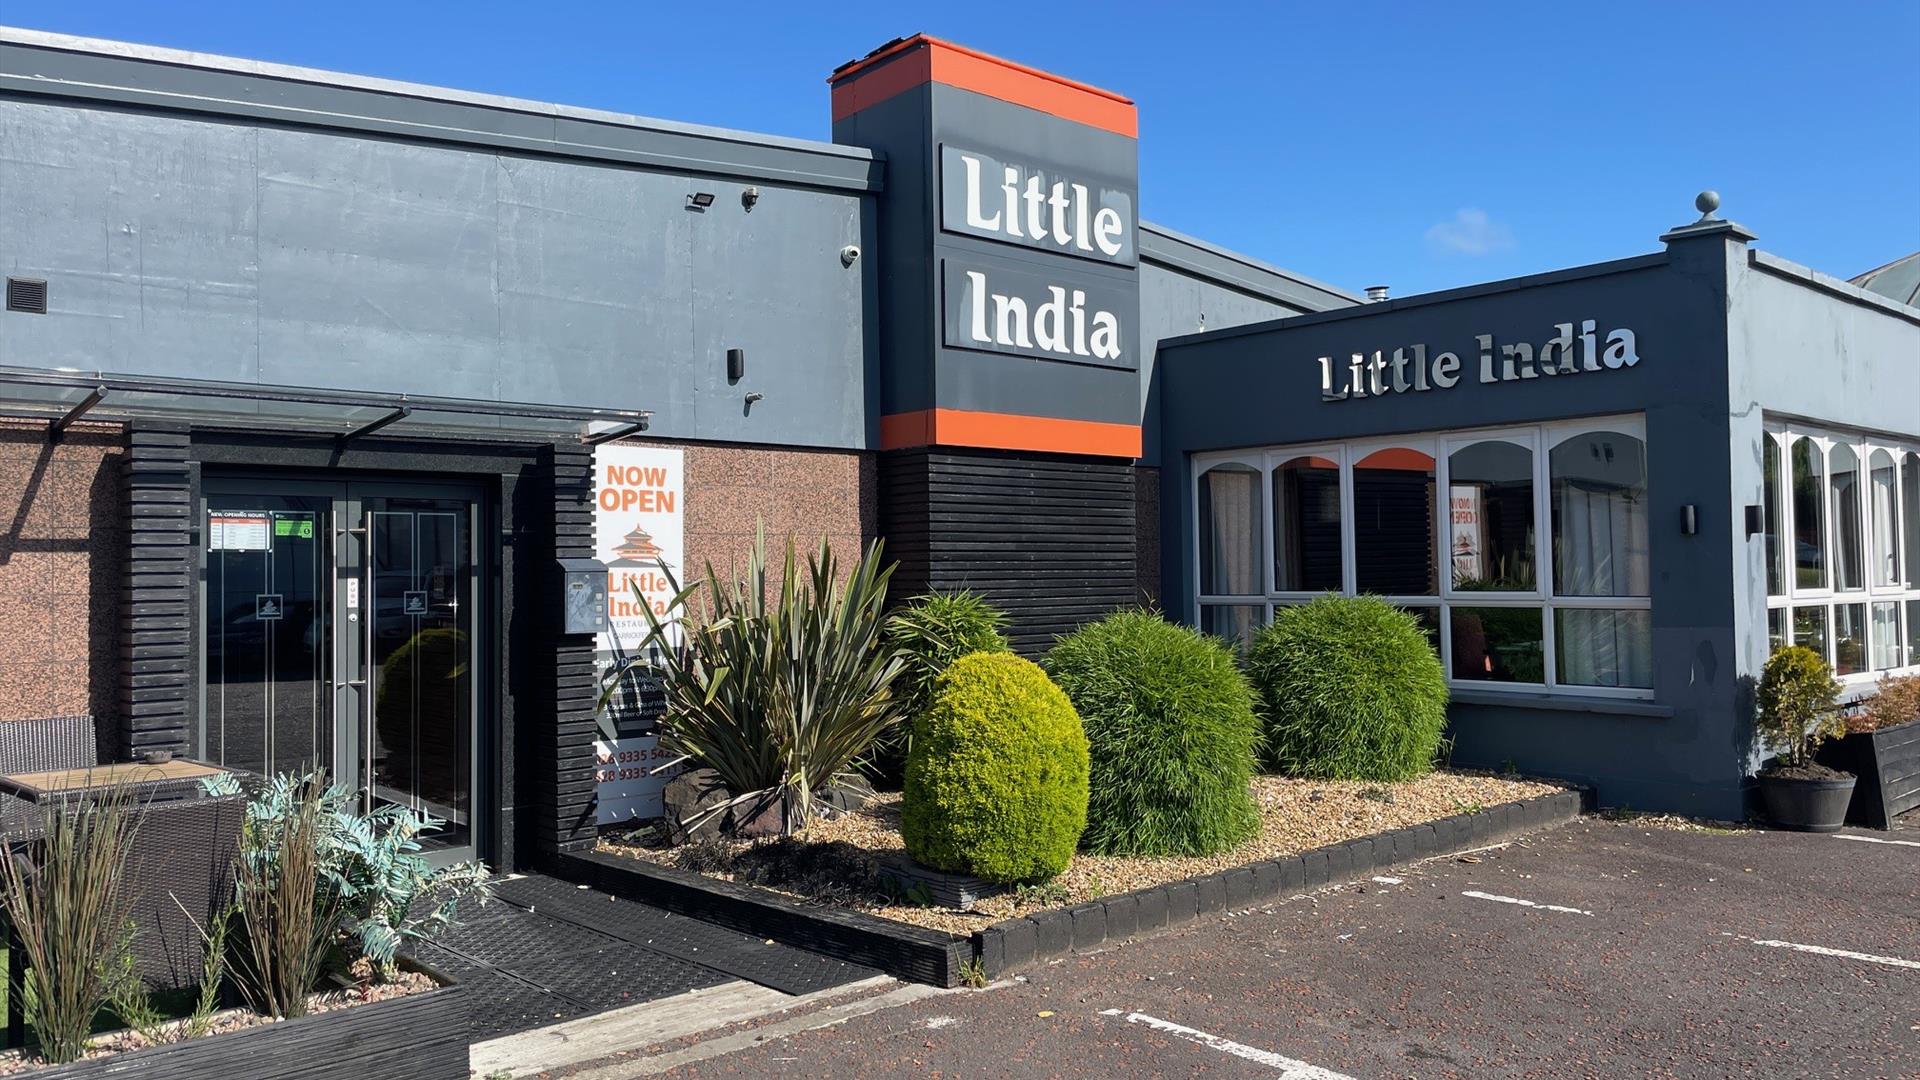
{"x":1478,"y":895}
{"x":1289,"y":1068}
{"x":1876,"y":840}
{"x":1844,"y":954}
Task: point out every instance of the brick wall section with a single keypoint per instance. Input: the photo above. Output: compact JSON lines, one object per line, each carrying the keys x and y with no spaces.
{"x":62,"y":543}
{"x":806,"y":494}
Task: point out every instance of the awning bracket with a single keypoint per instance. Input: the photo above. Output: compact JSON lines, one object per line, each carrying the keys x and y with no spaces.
{"x":56,"y":429}
{"x":374,"y":425}
{"x":611,"y":434}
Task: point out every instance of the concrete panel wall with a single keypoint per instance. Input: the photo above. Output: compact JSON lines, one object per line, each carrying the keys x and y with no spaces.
{"x":192,"y":247}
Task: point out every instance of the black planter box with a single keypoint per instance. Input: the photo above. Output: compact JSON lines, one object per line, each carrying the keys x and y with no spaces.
{"x":417,"y":1037}
{"x":1888,"y":765}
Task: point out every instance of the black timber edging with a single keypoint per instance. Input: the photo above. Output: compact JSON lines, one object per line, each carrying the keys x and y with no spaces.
{"x":1014,"y":944}
{"x":417,"y":1037}
{"x":905,"y":952}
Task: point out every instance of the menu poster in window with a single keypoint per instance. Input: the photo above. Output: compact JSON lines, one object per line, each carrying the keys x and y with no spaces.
{"x":239,"y":530}
{"x":1463,"y":501}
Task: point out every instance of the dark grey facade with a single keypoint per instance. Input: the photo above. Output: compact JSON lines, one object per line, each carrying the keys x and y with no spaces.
{"x":1728,"y":340}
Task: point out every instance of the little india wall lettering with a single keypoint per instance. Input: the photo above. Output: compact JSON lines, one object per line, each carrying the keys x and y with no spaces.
{"x":1408,"y":370}
{"x":1048,"y":307}
{"x":1024,"y":205}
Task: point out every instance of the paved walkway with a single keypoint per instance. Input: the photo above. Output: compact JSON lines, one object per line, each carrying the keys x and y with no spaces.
{"x":1594,"y":949}
{"x":547,"y":951}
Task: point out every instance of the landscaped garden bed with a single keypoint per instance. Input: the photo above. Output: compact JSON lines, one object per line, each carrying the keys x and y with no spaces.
{"x":298,"y":973}
{"x":1140,"y":774}
{"x":843,"y":862}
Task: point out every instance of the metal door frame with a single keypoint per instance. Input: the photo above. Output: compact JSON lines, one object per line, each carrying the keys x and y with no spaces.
{"x":348,"y":565}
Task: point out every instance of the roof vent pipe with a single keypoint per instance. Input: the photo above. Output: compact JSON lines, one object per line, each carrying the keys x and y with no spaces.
{"x":1376,"y":293}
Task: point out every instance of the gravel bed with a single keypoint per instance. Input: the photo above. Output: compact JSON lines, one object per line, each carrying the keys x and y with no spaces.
{"x":836,"y":861}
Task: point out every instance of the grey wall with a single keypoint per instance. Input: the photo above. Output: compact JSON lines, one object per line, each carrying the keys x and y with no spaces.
{"x":1814,"y":348}
{"x":1187,"y":287}
{"x":1261,"y":386}
{"x":194,"y":246}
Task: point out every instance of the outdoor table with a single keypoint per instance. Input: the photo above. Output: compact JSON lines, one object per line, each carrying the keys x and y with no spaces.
{"x":179,"y":778}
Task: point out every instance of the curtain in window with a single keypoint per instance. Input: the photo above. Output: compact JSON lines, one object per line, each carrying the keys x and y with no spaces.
{"x":1230,"y":540}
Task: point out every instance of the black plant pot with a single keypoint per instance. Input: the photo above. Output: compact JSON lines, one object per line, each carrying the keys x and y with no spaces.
{"x":1806,"y":805}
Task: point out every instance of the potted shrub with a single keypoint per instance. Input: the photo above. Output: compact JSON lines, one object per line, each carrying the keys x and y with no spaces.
{"x":1797,"y":713}
{"x":1881,"y":747}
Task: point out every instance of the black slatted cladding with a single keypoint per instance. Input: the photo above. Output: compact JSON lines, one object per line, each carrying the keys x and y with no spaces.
{"x":1049,"y":539}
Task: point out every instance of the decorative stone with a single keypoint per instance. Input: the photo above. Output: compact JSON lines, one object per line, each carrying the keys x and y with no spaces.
{"x":690,"y":796}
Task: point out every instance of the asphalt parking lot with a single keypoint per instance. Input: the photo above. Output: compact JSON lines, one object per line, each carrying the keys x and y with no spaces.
{"x":1599,"y":948}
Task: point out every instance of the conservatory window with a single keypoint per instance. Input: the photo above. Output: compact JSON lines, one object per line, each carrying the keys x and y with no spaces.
{"x":1851,"y":503}
{"x":1490,"y":495}
{"x":1393,"y":523}
{"x":1306,"y":525}
{"x":1809,"y":515}
{"x":1845,"y":466}
{"x":1523,"y":552}
{"x":1770,"y":501}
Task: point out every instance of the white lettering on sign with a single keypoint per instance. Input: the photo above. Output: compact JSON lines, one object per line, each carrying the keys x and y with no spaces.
{"x":1407,"y":369}
{"x":1062,"y":213}
{"x":1060,"y":324}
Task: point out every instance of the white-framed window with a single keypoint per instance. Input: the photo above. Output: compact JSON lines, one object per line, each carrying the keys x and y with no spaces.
{"x":1842,"y":524}
{"x":1523,"y":551}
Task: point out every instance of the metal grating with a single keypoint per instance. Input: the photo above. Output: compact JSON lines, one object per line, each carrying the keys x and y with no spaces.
{"x":785,"y":968}
{"x":28,"y":295}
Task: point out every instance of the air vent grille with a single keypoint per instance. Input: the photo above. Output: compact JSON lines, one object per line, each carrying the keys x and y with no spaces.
{"x":27,"y":294}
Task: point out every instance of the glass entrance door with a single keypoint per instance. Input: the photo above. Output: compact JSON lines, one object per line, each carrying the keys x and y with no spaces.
{"x":343,"y":627}
{"x":417,"y":653}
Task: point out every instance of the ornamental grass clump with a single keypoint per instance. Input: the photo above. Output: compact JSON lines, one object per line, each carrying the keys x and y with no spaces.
{"x":288,"y":920}
{"x":779,"y":693}
{"x":1171,"y":734}
{"x":930,"y":632}
{"x":996,"y":781}
{"x":1796,"y":700}
{"x":66,"y":895}
{"x":1350,"y":689}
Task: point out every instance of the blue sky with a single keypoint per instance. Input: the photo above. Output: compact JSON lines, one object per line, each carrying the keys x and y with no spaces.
{"x":1417,"y":145}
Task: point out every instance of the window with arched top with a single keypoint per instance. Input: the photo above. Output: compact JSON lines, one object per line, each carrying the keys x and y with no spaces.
{"x":1851,"y":504}
{"x":1306,"y":524}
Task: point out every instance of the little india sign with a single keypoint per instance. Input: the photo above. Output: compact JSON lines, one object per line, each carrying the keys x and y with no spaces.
{"x":1407,"y":369}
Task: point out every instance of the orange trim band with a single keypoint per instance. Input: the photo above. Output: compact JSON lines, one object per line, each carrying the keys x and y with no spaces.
{"x":922,"y":59}
{"x":1007,"y":431}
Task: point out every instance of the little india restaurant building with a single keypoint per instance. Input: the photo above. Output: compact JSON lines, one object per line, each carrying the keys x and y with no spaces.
{"x":339,"y":418}
{"x":1606,"y":492}
{"x":336,"y":412}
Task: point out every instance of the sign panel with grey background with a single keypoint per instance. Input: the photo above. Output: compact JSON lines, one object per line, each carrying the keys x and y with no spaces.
{"x":1050,"y":210}
{"x":1007,"y":307}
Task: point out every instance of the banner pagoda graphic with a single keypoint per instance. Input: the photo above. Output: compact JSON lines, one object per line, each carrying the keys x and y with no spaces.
{"x":638,"y":549}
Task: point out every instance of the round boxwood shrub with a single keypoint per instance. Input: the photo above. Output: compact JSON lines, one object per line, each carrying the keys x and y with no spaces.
{"x":996,"y":780}
{"x":1171,"y":733}
{"x":1350,"y":689}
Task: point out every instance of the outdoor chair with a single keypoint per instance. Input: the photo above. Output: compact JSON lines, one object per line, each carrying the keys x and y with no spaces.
{"x":56,"y":742}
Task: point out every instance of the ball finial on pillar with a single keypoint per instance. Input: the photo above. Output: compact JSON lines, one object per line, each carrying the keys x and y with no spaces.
{"x":1707,"y":202}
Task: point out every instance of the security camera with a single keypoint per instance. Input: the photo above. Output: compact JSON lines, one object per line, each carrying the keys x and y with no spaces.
{"x":848,"y":254}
